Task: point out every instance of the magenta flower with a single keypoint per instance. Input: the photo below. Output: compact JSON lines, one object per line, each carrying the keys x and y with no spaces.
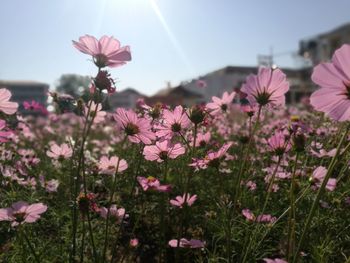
{"x":220,"y":105}
{"x":137,"y":129}
{"x":117,"y":213}
{"x":21,"y":212}
{"x":6,"y":106}
{"x":62,"y":151}
{"x":109,"y":165}
{"x":162,"y":151}
{"x":334,"y":79}
{"x":192,"y":243}
{"x":105,"y":52}
{"x":174,"y":122}
{"x":185,"y":199}
{"x":33,"y":105}
{"x":266,"y":88}
{"x":318,"y":176}
{"x":134,"y":242}
{"x":278,"y":143}
{"x":151,"y":183}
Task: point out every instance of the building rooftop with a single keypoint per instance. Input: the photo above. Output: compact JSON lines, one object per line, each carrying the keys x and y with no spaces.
{"x":22,"y":82}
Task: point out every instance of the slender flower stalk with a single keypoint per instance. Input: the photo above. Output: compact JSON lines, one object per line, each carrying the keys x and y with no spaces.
{"x":291,"y":219}
{"x":32,"y":250}
{"x":109,"y":210}
{"x":319,"y":195}
{"x":245,"y":159}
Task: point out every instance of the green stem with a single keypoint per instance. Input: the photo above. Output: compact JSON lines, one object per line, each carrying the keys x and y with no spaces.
{"x":109,"y":210}
{"x":30,"y":246}
{"x":319,"y":195}
{"x":245,"y":159}
{"x":291,"y":220}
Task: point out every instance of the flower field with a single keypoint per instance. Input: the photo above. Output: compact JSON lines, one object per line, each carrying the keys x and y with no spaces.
{"x":254,"y":181}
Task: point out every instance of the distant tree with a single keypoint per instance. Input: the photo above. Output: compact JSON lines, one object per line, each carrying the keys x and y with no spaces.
{"x":73,"y":84}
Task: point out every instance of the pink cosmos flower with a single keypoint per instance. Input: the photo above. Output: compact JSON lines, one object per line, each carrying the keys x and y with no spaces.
{"x":5,"y":134}
{"x":220,"y":105}
{"x":117,"y":213}
{"x":334,"y":79}
{"x":151,"y":183}
{"x":105,"y":52}
{"x":185,"y":199}
{"x":203,"y":139}
{"x":278,"y":143}
{"x":248,"y":214}
{"x":251,"y":185}
{"x":174,"y":122}
{"x":109,"y":165}
{"x":266,"y":88}
{"x":213,"y":159}
{"x":21,"y":212}
{"x":266,"y":218}
{"x":34,"y":106}
{"x":134,"y":242}
{"x":323,"y":153}
{"x":50,"y":186}
{"x":162,"y":151}
{"x":318,"y":176}
{"x":137,"y":129}
{"x":95,"y":112}
{"x":276,"y":260}
{"x":6,"y":106}
{"x":201,"y":84}
{"x":192,"y":243}
{"x":62,"y":151}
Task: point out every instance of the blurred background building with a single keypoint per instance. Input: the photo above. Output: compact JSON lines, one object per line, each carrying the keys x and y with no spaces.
{"x":125,"y":99}
{"x":26,"y":91}
{"x":311,"y":51}
{"x":321,"y":47}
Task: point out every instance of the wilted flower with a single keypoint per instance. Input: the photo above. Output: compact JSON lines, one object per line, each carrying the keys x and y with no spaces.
{"x":103,"y":81}
{"x":276,"y":260}
{"x":184,"y":243}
